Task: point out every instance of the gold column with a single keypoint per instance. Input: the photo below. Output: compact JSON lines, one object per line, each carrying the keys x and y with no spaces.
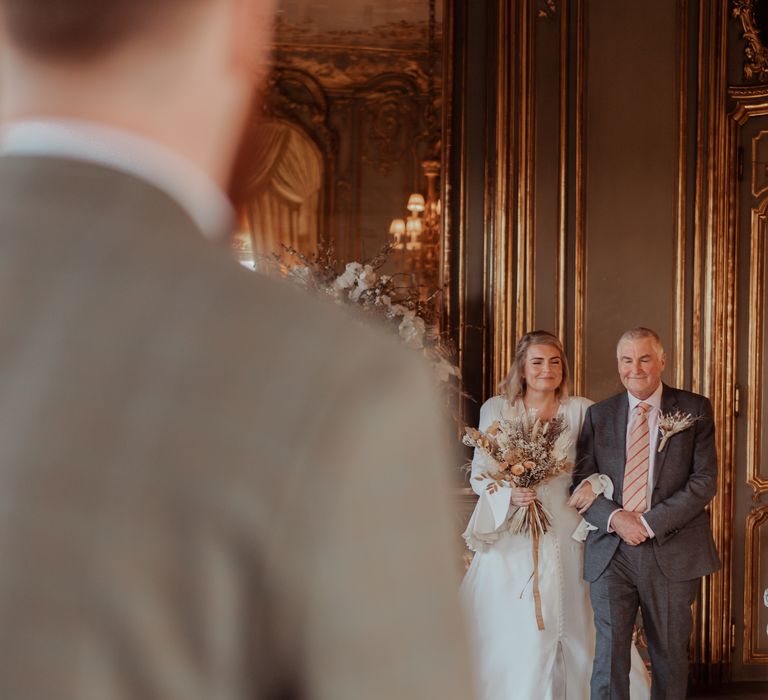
{"x":580,"y":266}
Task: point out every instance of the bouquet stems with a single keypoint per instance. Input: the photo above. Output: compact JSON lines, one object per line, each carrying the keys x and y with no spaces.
{"x":536,"y":591}
{"x":530,"y":519}
{"x":533,"y":520}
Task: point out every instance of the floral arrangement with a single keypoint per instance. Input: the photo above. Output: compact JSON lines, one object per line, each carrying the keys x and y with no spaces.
{"x":388,"y":298}
{"x":528,"y":452}
{"x":673,"y":423}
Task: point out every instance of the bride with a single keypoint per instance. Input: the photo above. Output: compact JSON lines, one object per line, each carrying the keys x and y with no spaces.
{"x":514,"y":660}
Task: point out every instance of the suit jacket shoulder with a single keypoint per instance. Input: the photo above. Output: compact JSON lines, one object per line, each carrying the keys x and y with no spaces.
{"x":683,"y":397}
{"x":607,"y":407}
{"x":221,"y":452}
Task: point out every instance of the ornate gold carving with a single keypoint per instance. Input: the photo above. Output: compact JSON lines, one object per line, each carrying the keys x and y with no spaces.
{"x":298,"y":98}
{"x":753,"y":102}
{"x":343,"y":60}
{"x":340,"y":68}
{"x":755,"y":53}
{"x":456,"y":233}
{"x":546,"y":9}
{"x":526,"y":272}
{"x":750,"y":102}
{"x":680,"y":218}
{"x":755,"y":636}
{"x":401,"y":36}
{"x":760,"y":164}
{"x":713,"y":341}
{"x":501,"y":266}
{"x":562,"y":199}
{"x":757,"y":245}
{"x":390,"y":110}
{"x":580,"y":268}
{"x":446,"y":196}
{"x":510,"y":259}
{"x":748,"y":93}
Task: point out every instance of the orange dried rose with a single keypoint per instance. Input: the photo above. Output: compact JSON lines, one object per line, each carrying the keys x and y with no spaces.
{"x":528,"y":464}
{"x":518,"y":470}
{"x":503,"y":466}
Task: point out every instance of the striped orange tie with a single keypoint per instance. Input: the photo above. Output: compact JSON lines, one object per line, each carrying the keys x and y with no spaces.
{"x":636,"y":471}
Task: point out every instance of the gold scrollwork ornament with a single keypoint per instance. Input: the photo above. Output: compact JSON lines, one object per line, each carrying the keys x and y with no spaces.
{"x":755,"y":52}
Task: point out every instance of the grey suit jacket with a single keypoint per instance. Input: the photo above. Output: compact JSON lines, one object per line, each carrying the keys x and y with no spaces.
{"x":211,"y":487}
{"x":685,"y":481}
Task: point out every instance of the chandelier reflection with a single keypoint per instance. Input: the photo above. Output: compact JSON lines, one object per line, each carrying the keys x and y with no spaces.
{"x":417,"y":236}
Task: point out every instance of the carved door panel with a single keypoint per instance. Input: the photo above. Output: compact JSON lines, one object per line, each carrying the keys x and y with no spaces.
{"x":750,"y":514}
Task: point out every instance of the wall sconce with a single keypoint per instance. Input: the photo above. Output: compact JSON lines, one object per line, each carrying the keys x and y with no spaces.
{"x":419,"y":233}
{"x":397,"y":231}
{"x":406,"y":233}
{"x":413,"y":227}
{"x":415,"y":204}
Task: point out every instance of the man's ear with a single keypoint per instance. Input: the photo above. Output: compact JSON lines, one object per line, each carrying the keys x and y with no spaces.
{"x":252,"y":24}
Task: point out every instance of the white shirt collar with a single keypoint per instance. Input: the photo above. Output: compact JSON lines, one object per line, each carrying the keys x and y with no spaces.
{"x":654,"y":400}
{"x":167,"y":170}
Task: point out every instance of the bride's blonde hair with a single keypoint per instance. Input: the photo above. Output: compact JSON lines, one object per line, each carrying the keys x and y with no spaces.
{"x":512,"y":387}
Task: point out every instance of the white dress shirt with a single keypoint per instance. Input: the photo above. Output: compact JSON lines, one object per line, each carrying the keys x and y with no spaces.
{"x":182,"y":180}
{"x":653,"y":413}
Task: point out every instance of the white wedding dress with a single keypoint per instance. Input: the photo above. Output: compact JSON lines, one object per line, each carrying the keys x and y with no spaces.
{"x":514,"y":660}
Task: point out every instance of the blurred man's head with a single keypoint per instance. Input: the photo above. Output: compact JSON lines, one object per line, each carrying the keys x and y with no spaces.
{"x":179,"y":71}
{"x":80,"y":30}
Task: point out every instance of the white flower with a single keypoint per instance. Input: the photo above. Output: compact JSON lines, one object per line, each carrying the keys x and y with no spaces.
{"x":367,"y":278}
{"x":396,"y":310}
{"x":412,"y":330}
{"x":348,"y":278}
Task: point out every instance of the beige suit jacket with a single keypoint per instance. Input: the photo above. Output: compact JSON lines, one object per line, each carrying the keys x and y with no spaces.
{"x":211,"y":487}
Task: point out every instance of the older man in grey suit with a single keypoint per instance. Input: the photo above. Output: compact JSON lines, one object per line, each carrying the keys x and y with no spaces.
{"x":652,"y":541}
{"x":210,"y":487}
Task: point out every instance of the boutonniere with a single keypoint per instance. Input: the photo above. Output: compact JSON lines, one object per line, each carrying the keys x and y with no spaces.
{"x":673,"y":423}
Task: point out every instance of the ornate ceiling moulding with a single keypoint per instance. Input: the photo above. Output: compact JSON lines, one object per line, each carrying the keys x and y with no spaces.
{"x":343,"y":60}
{"x":750,"y":101}
{"x":299,"y":98}
{"x":748,"y":93}
{"x":755,"y":52}
{"x":395,"y":36}
{"x":338,"y":69}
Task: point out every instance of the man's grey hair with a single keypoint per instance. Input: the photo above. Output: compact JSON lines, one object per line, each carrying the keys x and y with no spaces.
{"x":637,"y":334}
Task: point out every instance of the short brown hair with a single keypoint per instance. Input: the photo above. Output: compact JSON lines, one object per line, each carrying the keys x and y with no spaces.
{"x":77,"y":29}
{"x":513,"y":385}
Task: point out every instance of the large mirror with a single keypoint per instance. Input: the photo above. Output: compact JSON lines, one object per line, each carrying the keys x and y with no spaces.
{"x":349,"y":131}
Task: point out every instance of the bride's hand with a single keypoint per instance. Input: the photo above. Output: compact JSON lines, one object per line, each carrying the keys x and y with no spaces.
{"x":583,"y":497}
{"x":522,"y":496}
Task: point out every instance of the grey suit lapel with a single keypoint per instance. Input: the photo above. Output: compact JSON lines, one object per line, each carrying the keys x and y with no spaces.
{"x":620,"y":443}
{"x":668,"y":405}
